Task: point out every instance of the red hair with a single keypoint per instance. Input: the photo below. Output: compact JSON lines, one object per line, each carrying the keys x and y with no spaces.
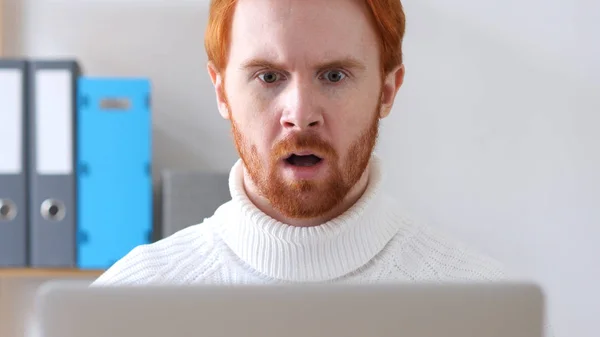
{"x":387,"y":16}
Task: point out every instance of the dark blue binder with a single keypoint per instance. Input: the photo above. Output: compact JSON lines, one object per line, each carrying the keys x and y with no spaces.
{"x":114,"y":182}
{"x":13,"y":163}
{"x":51,"y":160}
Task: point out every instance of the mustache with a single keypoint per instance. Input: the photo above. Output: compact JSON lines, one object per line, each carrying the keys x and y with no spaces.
{"x":303,"y":142}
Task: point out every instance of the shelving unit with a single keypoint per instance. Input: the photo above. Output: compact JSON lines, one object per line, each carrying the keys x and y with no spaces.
{"x":12,"y":273}
{"x":17,"y":293}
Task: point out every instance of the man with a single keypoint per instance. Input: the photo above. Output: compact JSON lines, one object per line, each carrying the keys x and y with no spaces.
{"x":304,"y":85}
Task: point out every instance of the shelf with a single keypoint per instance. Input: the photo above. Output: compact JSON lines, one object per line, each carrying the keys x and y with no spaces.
{"x":47,"y":273}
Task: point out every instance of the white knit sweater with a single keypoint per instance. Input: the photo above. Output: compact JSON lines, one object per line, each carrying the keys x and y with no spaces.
{"x":373,"y":241}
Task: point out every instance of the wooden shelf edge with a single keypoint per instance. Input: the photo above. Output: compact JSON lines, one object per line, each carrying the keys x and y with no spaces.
{"x":47,"y":272}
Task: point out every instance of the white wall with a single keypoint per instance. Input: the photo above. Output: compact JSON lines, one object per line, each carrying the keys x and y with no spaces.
{"x":493,"y":137}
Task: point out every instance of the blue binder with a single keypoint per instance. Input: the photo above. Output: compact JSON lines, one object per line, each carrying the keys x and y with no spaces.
{"x":114,"y":182}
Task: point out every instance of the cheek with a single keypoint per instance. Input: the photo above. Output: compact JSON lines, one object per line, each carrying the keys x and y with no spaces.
{"x":350,"y":119}
{"x":261,"y":104}
{"x":254,"y":118}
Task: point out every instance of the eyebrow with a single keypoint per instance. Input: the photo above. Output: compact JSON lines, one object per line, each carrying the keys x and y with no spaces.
{"x":347,"y":62}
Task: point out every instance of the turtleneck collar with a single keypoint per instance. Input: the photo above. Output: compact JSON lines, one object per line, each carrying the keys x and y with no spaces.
{"x":309,"y":254}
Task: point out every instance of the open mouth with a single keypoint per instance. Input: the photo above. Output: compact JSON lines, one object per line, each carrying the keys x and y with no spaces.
{"x":303,"y":160}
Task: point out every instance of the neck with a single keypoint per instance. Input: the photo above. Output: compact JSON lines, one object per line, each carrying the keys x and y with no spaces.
{"x":265,"y":206}
{"x":331,"y":250}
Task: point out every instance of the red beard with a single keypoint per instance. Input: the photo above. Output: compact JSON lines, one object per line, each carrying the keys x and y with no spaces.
{"x":303,"y":199}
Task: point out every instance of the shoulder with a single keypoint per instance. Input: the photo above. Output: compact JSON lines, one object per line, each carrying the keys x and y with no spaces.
{"x":457,"y":259}
{"x":430,"y":253}
{"x":162,"y":261}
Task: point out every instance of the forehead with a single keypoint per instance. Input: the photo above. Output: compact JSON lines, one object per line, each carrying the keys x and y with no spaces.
{"x":302,"y":31}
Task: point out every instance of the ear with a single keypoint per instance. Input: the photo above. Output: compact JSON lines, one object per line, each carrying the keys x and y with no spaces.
{"x":218,"y":83}
{"x":392,"y":83}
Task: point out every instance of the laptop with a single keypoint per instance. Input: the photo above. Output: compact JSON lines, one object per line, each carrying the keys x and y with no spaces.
{"x":67,"y":309}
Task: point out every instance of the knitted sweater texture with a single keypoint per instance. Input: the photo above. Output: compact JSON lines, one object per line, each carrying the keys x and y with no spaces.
{"x":371,"y":242}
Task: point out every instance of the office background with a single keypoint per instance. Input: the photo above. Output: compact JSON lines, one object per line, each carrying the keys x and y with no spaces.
{"x":493,"y":136}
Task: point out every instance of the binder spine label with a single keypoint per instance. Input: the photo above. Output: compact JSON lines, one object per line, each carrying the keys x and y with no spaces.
{"x":11,"y":121}
{"x":54,"y":115}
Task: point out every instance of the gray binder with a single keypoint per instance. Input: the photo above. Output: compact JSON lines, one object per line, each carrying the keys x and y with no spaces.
{"x":13,"y":163}
{"x":52,"y":123}
{"x":189,"y":197}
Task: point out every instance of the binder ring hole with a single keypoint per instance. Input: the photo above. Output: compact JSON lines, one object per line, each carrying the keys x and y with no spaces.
{"x":8,"y":210}
{"x":53,"y":210}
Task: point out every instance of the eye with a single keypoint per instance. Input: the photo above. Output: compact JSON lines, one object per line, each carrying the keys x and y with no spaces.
{"x":269,"y":77}
{"x":334,"y":76}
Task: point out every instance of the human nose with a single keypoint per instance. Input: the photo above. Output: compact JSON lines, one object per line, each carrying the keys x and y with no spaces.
{"x":301,"y":110}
